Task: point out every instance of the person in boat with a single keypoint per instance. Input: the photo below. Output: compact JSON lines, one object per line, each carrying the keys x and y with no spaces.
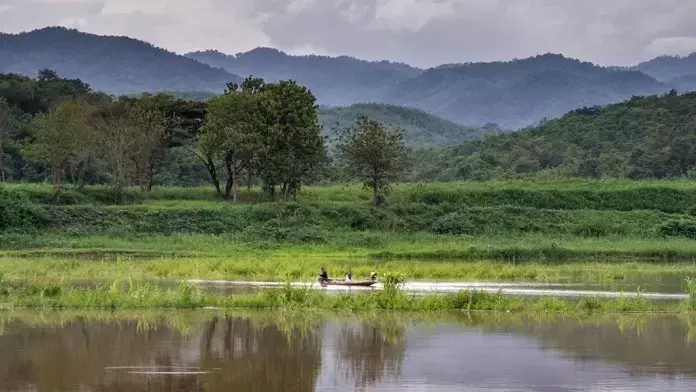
{"x":349,"y":277}
{"x":323,"y":276}
{"x":373,"y":276}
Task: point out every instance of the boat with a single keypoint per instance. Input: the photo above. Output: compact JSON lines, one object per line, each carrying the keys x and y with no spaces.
{"x":350,"y":283}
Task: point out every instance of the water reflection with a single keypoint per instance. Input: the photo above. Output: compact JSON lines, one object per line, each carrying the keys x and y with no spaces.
{"x":203,"y":351}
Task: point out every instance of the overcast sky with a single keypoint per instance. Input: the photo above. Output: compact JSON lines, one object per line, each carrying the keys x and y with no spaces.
{"x":420,"y":32}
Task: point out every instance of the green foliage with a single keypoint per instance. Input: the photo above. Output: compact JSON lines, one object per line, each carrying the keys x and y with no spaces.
{"x":678,"y":228}
{"x":453,"y":223}
{"x":643,"y":138}
{"x":63,"y":135}
{"x":269,"y":130}
{"x":374,"y":155}
{"x":421,"y":129}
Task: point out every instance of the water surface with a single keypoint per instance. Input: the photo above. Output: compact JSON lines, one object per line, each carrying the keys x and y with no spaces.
{"x":204,"y":351}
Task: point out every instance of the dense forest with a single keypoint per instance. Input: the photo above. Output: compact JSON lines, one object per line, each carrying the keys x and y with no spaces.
{"x":117,"y":65}
{"x":509,"y":94}
{"x":644,"y":137}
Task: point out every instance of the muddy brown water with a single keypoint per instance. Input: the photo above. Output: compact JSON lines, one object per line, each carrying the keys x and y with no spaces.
{"x":203,"y":351}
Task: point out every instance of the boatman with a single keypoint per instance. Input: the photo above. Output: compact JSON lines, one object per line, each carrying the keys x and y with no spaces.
{"x":323,"y":276}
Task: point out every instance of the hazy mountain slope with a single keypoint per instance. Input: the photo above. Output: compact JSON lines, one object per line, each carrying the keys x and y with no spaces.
{"x":647,"y":137}
{"x":421,"y":129}
{"x":116,"y":65}
{"x":336,"y":81}
{"x":678,"y":72}
{"x":518,"y":93}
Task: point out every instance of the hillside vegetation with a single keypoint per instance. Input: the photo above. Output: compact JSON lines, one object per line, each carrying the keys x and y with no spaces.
{"x":117,"y":65}
{"x":421,"y":129}
{"x":645,"y":137}
{"x":499,"y":220}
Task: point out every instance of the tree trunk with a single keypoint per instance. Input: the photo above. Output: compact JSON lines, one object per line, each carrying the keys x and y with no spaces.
{"x":375,"y":202}
{"x":2,"y":160}
{"x":229,"y":162}
{"x":57,"y":175}
{"x":210,"y":166}
{"x":234,"y":185}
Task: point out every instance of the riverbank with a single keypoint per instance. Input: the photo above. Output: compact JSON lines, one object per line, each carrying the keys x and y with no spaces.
{"x":514,"y":221}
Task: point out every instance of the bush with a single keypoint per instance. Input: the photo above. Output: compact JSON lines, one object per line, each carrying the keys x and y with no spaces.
{"x":678,"y":228}
{"x":453,"y":223}
{"x":277,"y":230}
{"x":691,"y":211}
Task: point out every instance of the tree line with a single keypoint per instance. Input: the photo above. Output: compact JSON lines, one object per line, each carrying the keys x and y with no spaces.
{"x":255,"y":134}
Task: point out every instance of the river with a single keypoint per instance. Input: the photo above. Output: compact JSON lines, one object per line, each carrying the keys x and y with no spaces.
{"x":179,"y":351}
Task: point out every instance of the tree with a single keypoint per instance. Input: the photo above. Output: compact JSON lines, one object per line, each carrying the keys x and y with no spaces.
{"x":231,"y":133}
{"x":129,"y":136}
{"x":374,"y":155}
{"x":6,"y":122}
{"x":292,"y":146}
{"x":63,"y":134}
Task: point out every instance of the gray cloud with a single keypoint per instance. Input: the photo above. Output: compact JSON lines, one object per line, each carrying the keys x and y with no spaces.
{"x":421,"y":32}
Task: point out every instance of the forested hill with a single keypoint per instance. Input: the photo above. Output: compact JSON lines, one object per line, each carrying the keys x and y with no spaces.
{"x":511,"y":94}
{"x":421,"y":129}
{"x":680,"y":72}
{"x":521,"y":92}
{"x":335,"y":81}
{"x":118,"y":65}
{"x":649,"y":137}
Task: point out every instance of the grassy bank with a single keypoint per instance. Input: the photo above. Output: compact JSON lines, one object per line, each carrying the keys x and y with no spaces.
{"x":129,"y":295}
{"x":305,"y":266}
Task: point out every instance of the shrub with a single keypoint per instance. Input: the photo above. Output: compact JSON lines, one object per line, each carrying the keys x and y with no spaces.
{"x":453,"y":223}
{"x":678,"y":228}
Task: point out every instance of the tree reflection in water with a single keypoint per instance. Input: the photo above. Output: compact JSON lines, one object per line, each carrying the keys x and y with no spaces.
{"x":368,"y":352}
{"x":255,"y":356}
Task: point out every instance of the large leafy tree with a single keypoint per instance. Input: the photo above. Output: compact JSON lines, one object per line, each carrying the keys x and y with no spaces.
{"x":292,"y":145}
{"x":373,"y":154}
{"x":230,"y":136}
{"x":129,"y":136}
{"x":63,"y":135}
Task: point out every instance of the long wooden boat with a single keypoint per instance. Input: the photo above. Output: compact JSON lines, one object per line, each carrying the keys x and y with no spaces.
{"x":355,"y":283}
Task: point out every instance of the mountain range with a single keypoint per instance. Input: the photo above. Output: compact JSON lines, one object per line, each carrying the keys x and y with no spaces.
{"x":510,"y":94}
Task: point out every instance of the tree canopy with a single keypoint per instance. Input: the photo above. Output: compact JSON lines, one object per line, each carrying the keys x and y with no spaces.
{"x":374,"y":155}
{"x":644,"y":137}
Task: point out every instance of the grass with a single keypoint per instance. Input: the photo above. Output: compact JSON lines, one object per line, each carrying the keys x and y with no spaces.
{"x":537,"y":231}
{"x":129,"y":295}
{"x":278,"y":267}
